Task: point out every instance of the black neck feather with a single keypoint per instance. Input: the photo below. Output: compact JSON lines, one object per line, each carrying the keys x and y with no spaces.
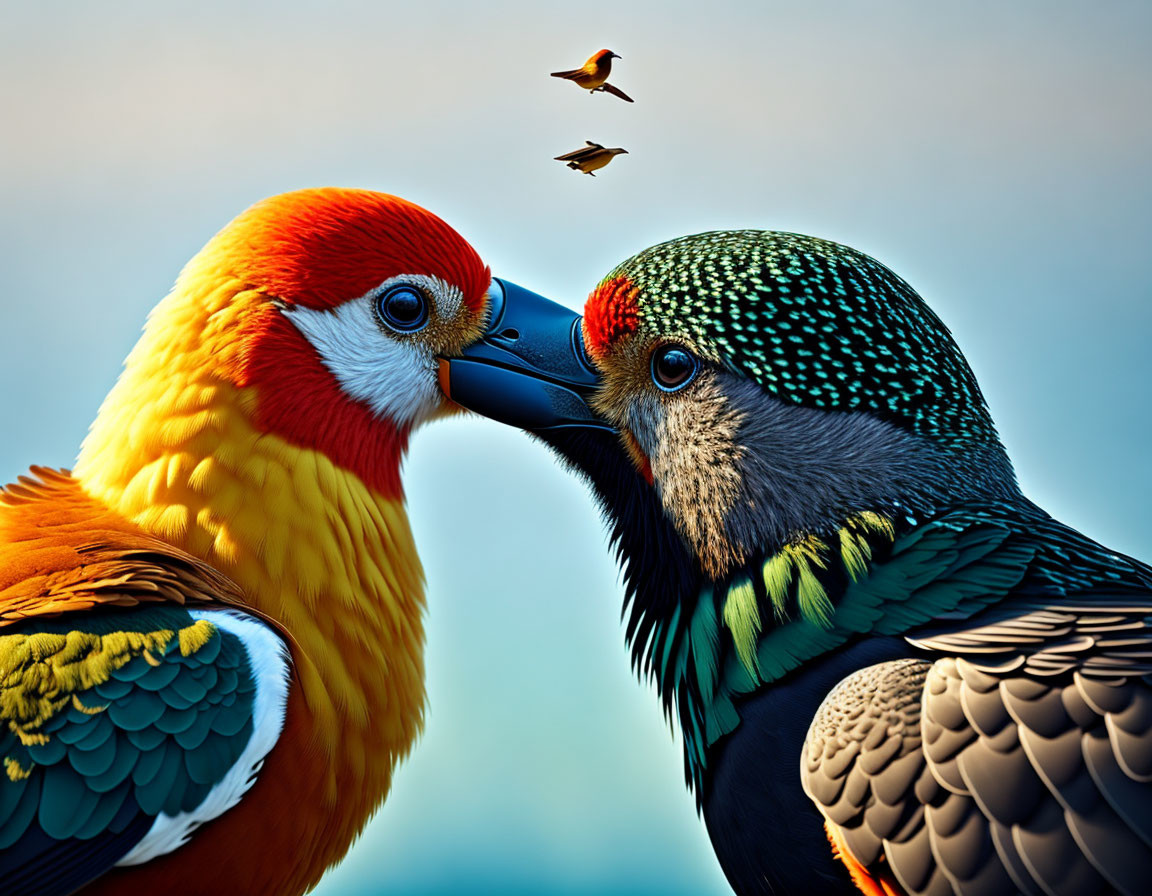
{"x":659,"y":571}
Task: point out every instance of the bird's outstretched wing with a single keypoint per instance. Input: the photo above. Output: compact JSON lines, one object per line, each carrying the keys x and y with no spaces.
{"x":579,"y":154}
{"x":615,"y":91}
{"x":1015,"y":756}
{"x":137,"y":701}
{"x":568,"y":75}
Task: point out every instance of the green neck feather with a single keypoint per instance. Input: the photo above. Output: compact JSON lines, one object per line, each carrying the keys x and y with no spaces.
{"x":726,"y":644}
{"x":817,"y":593}
{"x":796,"y":581}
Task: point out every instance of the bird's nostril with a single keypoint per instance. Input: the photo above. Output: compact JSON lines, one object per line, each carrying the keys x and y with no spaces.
{"x":511,"y":334}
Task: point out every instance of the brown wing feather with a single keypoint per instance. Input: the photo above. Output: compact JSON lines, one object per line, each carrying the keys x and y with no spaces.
{"x":1038,"y":759}
{"x":1020,"y":761}
{"x":578,"y":155}
{"x":568,"y":75}
{"x":863,"y":765}
{"x":1098,"y":635}
{"x":616,"y":91}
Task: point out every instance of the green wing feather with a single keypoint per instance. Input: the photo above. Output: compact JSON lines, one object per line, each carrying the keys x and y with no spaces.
{"x":149,"y":706}
{"x":950,"y":567}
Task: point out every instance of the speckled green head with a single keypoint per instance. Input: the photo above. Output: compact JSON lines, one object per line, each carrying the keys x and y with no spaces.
{"x":770,"y":386}
{"x":813,"y":322}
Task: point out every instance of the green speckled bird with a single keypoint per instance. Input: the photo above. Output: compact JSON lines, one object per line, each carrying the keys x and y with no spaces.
{"x":893,"y":672}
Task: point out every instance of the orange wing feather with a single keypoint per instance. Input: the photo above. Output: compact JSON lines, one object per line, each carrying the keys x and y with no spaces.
{"x":63,"y":552}
{"x":870,"y":882}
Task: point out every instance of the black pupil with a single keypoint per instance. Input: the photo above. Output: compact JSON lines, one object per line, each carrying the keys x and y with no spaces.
{"x":403,"y":307}
{"x":674,"y":366}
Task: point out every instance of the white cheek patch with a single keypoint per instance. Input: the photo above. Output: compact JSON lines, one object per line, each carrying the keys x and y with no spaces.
{"x":394,"y":376}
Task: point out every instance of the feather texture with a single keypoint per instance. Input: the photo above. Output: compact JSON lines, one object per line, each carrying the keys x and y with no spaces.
{"x":239,"y":485}
{"x":853,"y":579}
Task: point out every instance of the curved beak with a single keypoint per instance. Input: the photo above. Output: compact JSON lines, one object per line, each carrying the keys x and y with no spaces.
{"x":529,"y":368}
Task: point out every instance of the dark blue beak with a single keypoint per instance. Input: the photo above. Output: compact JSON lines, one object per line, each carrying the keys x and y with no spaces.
{"x":529,"y":368}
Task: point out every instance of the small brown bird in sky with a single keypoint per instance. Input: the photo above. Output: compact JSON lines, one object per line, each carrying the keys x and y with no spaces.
{"x":590,"y":158}
{"x":593,"y":75}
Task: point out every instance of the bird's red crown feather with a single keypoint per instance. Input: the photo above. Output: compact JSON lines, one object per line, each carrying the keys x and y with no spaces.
{"x":610,"y":313}
{"x":321,"y":247}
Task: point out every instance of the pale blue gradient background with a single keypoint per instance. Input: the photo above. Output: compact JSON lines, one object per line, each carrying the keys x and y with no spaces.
{"x":998,"y":158}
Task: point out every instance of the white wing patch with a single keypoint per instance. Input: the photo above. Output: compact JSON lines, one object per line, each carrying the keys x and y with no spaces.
{"x":270,"y":666}
{"x":395,"y":377}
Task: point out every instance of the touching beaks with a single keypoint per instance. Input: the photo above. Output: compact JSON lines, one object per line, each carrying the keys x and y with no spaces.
{"x":529,"y":368}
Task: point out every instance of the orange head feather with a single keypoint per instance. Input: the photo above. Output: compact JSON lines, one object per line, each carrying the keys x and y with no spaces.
{"x":321,"y":247}
{"x":280,"y":305}
{"x":259,"y":426}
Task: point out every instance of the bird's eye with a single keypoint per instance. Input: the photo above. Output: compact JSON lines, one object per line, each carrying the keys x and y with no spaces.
{"x":673,"y":367}
{"x":403,"y":308}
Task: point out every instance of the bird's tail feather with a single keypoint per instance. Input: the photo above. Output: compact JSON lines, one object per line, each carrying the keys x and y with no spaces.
{"x":568,"y":74}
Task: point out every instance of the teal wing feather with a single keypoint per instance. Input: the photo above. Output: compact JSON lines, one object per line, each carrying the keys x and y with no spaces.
{"x":110,"y":720}
{"x":956,"y":566}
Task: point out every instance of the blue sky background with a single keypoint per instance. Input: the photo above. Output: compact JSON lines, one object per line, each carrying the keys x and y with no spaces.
{"x":995,"y":155}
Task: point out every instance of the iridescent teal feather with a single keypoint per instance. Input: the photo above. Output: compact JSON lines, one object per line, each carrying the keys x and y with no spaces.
{"x":815,"y":323}
{"x":159,"y":730}
{"x":931,"y":531}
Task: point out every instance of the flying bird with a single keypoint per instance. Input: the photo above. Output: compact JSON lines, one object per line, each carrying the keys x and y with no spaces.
{"x":211,"y":636}
{"x":591,"y":157}
{"x":894,"y":674}
{"x":593,"y":75}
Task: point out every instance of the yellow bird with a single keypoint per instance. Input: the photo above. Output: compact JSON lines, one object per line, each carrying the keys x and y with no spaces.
{"x":593,"y":75}
{"x":211,"y":633}
{"x":590,"y":158}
